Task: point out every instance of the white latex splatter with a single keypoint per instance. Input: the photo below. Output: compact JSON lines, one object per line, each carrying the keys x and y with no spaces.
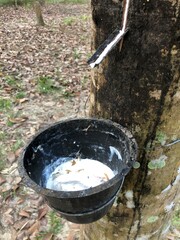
{"x":116,"y":39}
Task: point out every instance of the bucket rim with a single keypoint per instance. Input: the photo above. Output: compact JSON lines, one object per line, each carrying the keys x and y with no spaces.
{"x":26,"y":179}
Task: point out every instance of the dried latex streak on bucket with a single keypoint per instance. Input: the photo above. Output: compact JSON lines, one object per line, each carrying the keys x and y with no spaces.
{"x":87,"y":138}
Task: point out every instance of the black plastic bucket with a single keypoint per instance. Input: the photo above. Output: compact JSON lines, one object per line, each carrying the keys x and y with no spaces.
{"x":90,"y":138}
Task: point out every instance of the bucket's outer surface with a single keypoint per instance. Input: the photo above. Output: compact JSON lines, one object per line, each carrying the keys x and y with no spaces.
{"x":90,"y":216}
{"x":90,"y":138}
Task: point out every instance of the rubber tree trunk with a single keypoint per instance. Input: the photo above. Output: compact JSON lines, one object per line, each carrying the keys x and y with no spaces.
{"x":16,"y":4}
{"x":139,"y":88}
{"x":38,"y":12}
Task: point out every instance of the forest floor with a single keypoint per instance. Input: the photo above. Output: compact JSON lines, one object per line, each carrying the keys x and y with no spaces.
{"x":44,"y":77}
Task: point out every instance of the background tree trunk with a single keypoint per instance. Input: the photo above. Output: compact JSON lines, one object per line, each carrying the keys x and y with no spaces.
{"x":38,"y":11}
{"x":42,"y":2}
{"x":139,"y":88}
{"x":16,"y":4}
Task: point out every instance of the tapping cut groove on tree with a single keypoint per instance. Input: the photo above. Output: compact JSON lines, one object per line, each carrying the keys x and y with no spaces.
{"x":112,"y":40}
{"x":124,"y":83}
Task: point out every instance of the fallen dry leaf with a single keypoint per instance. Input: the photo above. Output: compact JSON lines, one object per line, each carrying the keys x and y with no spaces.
{"x":15,"y":187}
{"x":8,"y":89}
{"x":20,"y":200}
{"x":17,"y":180}
{"x":176,"y":232}
{"x":2,"y":180}
{"x":21,"y":235}
{"x":9,"y":219}
{"x":24,"y":226}
{"x":27,"y":54}
{"x":32,"y":130}
{"x":29,"y":209}
{"x":73,"y":162}
{"x":7,"y":187}
{"x":22,"y":223}
{"x":10,"y":170}
{"x":22,"y":100}
{"x":8,"y":236}
{"x":48,"y":236}
{"x":34,"y":228}
{"x":11,"y":157}
{"x":18,"y":120}
{"x":170,"y":238}
{"x":18,"y":151}
{"x":8,"y":199}
{"x":42,"y":212}
{"x":23,"y":213}
{"x":8,"y":211}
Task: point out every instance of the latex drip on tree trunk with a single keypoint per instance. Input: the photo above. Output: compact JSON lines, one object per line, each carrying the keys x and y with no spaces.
{"x":139,"y":88}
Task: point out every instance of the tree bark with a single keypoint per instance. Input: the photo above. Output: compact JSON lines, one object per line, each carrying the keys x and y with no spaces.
{"x":139,"y":88}
{"x":16,"y":4}
{"x":38,"y":11}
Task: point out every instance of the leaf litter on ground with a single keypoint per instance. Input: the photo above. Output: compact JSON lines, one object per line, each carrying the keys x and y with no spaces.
{"x":43,"y":78}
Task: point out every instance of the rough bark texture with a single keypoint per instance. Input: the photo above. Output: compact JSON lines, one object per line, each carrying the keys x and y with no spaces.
{"x":139,"y":88}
